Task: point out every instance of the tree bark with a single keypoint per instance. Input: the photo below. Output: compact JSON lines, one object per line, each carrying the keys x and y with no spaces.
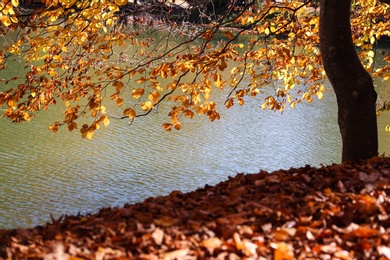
{"x":353,"y":85}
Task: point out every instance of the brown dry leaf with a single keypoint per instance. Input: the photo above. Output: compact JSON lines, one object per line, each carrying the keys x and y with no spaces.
{"x":177,"y":254}
{"x":384,"y":251}
{"x":280,"y":223}
{"x":158,"y":236}
{"x":364,"y":232}
{"x":211,"y":243}
{"x":370,"y":177}
{"x":366,"y":204}
{"x":165,"y":221}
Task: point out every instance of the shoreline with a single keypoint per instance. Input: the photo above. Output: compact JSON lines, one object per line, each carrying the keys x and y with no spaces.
{"x":338,"y":210}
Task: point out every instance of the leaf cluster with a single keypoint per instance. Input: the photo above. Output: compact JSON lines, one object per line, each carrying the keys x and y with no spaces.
{"x":84,"y":54}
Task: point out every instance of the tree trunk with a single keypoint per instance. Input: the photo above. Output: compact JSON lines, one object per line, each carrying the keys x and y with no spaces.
{"x":355,"y":93}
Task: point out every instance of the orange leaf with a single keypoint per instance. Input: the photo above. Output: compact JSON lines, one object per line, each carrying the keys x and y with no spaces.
{"x":154,"y":96}
{"x":129,"y":112}
{"x":137,"y":93}
{"x":119,"y":101}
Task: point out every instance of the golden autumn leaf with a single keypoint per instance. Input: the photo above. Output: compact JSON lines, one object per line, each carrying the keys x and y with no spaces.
{"x":154,"y":96}
{"x":6,"y":21}
{"x":146,"y":105}
{"x":54,"y":127}
{"x":129,"y":112}
{"x":105,"y":120}
{"x":15,"y":3}
{"x":167,"y":127}
{"x":52,"y":54}
{"x":188,"y":113}
{"x":141,"y":80}
{"x":229,"y":103}
{"x":218,"y":81}
{"x":87,"y":134}
{"x":137,"y":93}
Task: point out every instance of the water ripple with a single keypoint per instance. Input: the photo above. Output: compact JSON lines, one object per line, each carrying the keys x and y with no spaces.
{"x":42,"y":173}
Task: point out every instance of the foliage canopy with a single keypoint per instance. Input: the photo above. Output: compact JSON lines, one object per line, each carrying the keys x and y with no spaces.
{"x":84,"y":53}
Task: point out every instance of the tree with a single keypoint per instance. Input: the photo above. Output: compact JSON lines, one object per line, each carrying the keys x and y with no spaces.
{"x":79,"y":53}
{"x":356,"y":95}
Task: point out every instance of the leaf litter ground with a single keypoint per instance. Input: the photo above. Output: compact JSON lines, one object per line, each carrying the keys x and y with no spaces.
{"x":333,"y":212}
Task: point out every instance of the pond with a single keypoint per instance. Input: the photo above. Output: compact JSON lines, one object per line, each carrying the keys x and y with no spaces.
{"x":42,"y":173}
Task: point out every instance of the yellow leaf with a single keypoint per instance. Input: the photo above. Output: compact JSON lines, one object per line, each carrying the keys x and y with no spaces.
{"x":292,"y":105}
{"x":87,"y":134}
{"x":372,"y":39}
{"x":218,"y":81}
{"x":102,"y":110}
{"x":266,"y":31}
{"x":147,"y":105}
{"x":14,"y":19}
{"x":105,"y":120}
{"x":154,"y":96}
{"x":15,"y":3}
{"x":6,"y":21}
{"x":137,"y":93}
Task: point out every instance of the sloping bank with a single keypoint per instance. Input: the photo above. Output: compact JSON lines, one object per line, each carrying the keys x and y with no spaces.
{"x":338,"y":211}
